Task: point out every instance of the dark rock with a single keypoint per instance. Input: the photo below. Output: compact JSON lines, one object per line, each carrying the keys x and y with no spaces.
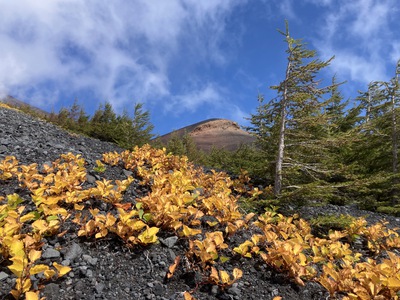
{"x":170,"y":241}
{"x":51,"y":291}
{"x":50,"y":253}
{"x":3,"y":276}
{"x":73,"y":252}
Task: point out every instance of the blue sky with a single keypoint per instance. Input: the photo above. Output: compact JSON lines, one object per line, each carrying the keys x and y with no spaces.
{"x":186,"y":60}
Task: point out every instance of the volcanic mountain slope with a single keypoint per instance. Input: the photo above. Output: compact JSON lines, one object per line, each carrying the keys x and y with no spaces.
{"x":14,"y":102}
{"x":105,"y":266}
{"x":218,"y":133}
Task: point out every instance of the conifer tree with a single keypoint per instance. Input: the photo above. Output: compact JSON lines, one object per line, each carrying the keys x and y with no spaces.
{"x":74,"y":111}
{"x":376,"y":153}
{"x":134,"y":131}
{"x":295,"y":120}
{"x":103,"y":123}
{"x":141,"y":126}
{"x":83,"y":122}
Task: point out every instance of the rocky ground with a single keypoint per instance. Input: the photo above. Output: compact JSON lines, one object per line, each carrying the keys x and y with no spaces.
{"x":106,"y":269}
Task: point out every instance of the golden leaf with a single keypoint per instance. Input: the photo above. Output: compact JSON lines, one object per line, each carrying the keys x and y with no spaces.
{"x":149,"y":235}
{"x":187,"y":231}
{"x":17,"y":248}
{"x":78,"y":206}
{"x":303,"y":259}
{"x":138,"y":225}
{"x":329,"y":284}
{"x":299,"y":281}
{"x":124,"y":206}
{"x":90,"y":226}
{"x":243,"y":249}
{"x":34,"y":255}
{"x":211,"y":223}
{"x":32,"y":295}
{"x":237,"y":273}
{"x":248,"y":217}
{"x":187,"y":296}
{"x":15,"y":294}
{"x":214,"y":275}
{"x":26,"y":285}
{"x":393,"y":283}
{"x":18,"y":265}
{"x":49,"y":273}
{"x":38,"y":269}
{"x":110,"y":220}
{"x":40,"y":226}
{"x":27,"y":217}
{"x":225,"y":278}
{"x":61,"y":234}
{"x":62,"y":270}
{"x":103,"y":232}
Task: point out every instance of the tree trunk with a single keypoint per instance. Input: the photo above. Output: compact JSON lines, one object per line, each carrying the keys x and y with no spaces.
{"x":281,"y":143}
{"x":394,"y":137}
{"x":395,"y":159}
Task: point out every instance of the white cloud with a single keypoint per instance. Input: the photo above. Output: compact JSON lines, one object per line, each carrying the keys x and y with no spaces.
{"x":236,"y":114}
{"x":359,"y":68}
{"x":395,"y":52}
{"x":117,"y":49}
{"x":286,"y":9}
{"x":362,"y":35}
{"x":199,"y":98}
{"x":196,"y":97}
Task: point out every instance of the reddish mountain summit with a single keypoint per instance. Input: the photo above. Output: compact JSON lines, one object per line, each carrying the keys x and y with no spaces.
{"x":219,"y":133}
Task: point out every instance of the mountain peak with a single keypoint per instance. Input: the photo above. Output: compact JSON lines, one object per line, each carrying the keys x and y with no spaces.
{"x":218,"y":133}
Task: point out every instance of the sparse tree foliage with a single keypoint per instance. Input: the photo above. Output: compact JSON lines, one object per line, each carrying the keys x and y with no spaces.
{"x":293,"y":125}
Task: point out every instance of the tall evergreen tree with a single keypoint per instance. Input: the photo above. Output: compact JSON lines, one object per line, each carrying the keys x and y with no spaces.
{"x":295,"y":119}
{"x":141,"y":126}
{"x":335,"y":110}
{"x":83,"y":121}
{"x":103,"y":123}
{"x":134,"y":131}
{"x":376,"y":154}
{"x":74,"y":111}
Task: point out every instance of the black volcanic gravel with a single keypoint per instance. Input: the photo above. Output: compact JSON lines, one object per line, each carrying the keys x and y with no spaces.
{"x":106,"y":269}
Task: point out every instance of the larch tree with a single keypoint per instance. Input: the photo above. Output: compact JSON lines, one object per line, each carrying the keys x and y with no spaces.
{"x":294,"y":121}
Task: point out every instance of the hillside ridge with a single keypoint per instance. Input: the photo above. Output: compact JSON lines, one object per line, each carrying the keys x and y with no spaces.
{"x":217,"y":132}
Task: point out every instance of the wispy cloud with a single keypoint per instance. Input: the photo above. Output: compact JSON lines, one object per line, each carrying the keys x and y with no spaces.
{"x":361,"y":35}
{"x":195,"y":97}
{"x":320,"y":2}
{"x":116,"y":49}
{"x":286,"y":9}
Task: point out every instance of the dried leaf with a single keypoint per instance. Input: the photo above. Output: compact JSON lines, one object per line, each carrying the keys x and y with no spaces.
{"x":172,"y":268}
{"x":237,"y":273}
{"x":187,"y":296}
